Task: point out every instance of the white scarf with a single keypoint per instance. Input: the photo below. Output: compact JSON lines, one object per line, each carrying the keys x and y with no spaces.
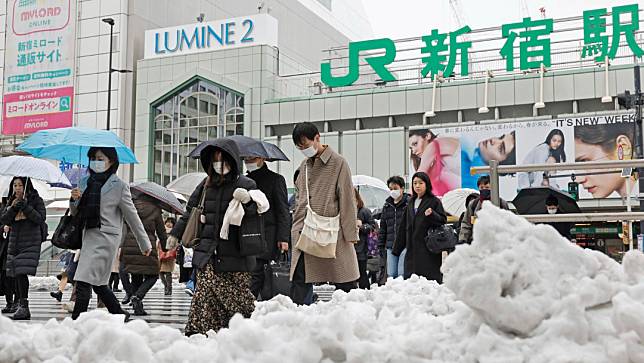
{"x":235,"y":212}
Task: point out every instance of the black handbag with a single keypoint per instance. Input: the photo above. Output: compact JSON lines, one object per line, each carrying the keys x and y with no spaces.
{"x":69,"y":233}
{"x":276,"y":278}
{"x":441,"y":239}
{"x":251,"y":232}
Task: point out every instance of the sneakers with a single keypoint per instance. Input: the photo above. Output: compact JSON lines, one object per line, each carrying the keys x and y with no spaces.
{"x":23,"y":312}
{"x":58,"y":295}
{"x":10,"y":308}
{"x":190,"y":288}
{"x":137,"y":305}
{"x":126,"y":300}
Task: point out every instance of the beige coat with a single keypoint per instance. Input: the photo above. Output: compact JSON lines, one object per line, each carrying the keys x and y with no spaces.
{"x":331,"y":193}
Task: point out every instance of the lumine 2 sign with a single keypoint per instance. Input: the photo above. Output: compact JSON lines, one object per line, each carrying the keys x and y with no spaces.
{"x":531,"y":35}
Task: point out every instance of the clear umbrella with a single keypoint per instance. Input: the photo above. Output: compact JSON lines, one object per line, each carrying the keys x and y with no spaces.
{"x":33,"y":168}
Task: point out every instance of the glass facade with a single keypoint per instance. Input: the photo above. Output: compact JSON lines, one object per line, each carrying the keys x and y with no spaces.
{"x":200,"y":111}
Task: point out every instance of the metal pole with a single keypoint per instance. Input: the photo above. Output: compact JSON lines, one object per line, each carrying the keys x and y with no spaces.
{"x":638,"y":138}
{"x":628,"y":209}
{"x":109,"y":79}
{"x":494,"y":182}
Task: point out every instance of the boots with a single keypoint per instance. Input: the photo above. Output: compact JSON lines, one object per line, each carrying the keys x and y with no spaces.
{"x":23,"y":312}
{"x":11,"y":307}
{"x":126,"y":300}
{"x":137,"y":304}
{"x":58,"y":295}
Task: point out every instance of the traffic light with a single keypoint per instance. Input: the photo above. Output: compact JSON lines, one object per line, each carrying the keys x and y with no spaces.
{"x":573,"y":189}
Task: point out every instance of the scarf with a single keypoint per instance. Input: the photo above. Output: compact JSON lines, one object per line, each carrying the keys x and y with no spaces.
{"x":91,"y":200}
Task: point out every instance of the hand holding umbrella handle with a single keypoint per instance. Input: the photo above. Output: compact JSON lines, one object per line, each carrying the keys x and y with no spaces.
{"x":75,"y":194}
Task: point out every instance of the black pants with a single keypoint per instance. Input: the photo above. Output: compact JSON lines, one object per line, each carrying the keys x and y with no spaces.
{"x":22,"y":287}
{"x":301,"y":291}
{"x":258,"y":277}
{"x":166,"y":278}
{"x":125,"y":279}
{"x":363,"y":281}
{"x":84,"y":293}
{"x":114,"y":281}
{"x":141,"y":284}
{"x":9,"y":287}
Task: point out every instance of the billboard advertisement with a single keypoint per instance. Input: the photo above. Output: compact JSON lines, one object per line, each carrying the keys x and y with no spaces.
{"x":39,"y":65}
{"x":447,"y":153}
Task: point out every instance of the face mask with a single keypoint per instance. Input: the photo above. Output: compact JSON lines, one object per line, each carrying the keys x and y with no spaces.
{"x":309,"y":152}
{"x":98,"y":166}
{"x":251,"y":167}
{"x":396,"y":193}
{"x":220,"y":167}
{"x":485,"y":194}
{"x":552,"y":210}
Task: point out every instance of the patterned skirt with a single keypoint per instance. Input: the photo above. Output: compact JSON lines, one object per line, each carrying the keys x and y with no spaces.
{"x":218,"y":296}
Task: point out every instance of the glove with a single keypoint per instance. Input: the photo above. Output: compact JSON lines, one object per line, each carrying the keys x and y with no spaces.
{"x":241,"y":195}
{"x":20,"y":205}
{"x":171,"y":242}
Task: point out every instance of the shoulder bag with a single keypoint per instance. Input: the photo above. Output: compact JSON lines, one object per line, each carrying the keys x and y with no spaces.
{"x":319,"y":236}
{"x":192,"y":232}
{"x":441,"y":239}
{"x":69,"y":232}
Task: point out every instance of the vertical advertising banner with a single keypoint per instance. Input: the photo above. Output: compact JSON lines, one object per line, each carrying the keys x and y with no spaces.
{"x":39,"y":65}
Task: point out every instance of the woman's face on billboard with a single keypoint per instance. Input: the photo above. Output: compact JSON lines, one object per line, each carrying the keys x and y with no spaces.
{"x":417,"y":144}
{"x":555,"y":142}
{"x":599,"y":185}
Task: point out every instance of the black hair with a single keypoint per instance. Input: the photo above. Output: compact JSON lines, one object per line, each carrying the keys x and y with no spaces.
{"x":396,"y":180}
{"x":512,"y":156}
{"x":483,"y":179}
{"x":560,"y":153}
{"x":552,"y":200}
{"x":111,"y":154}
{"x":425,"y":178}
{"x":213,"y":177}
{"x":171,"y":220}
{"x":304,"y":130}
{"x":422,"y":133}
{"x":27,"y":185}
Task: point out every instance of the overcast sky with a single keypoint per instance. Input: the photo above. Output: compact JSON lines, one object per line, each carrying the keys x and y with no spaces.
{"x":410,"y":18}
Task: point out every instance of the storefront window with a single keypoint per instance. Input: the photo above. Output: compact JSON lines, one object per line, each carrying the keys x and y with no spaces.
{"x":199,"y":112}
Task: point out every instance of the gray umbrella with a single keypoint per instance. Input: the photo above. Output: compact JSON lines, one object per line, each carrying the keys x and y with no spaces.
{"x":166,"y":199}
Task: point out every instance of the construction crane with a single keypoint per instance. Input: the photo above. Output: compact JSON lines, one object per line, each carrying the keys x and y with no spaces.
{"x":459,"y":17}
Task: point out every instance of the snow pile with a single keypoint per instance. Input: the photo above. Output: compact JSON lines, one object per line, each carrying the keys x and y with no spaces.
{"x":520,"y":293}
{"x":45,"y":283}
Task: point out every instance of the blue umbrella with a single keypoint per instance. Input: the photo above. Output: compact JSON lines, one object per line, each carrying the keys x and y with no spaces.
{"x":70,"y":144}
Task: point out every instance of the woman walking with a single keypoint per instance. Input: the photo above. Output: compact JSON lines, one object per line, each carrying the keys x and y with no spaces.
{"x":144,"y":269}
{"x":424,"y":212}
{"x":103,"y":202}
{"x":25,"y":216}
{"x":366,"y":224}
{"x":167,"y":260}
{"x":223,"y":274}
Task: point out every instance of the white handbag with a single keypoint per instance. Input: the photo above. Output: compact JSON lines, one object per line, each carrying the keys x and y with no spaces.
{"x":319,"y":236}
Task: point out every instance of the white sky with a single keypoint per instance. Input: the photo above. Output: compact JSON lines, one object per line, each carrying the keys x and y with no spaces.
{"x":411,"y":18}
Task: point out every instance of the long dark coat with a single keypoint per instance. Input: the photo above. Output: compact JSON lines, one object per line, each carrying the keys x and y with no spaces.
{"x":411,"y":235}
{"x":152,"y":219}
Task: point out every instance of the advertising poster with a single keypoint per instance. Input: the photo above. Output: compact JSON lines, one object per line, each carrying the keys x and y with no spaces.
{"x":39,"y":65}
{"x":447,"y":153}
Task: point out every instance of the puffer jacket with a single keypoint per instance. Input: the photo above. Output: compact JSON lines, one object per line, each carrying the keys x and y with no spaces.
{"x":390,"y":219}
{"x":224,"y":254}
{"x":368,"y":225}
{"x":135,"y":262}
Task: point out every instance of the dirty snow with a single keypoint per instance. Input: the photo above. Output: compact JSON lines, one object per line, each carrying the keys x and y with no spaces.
{"x":519,"y":293}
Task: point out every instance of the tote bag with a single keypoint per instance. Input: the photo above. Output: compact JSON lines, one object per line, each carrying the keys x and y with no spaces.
{"x":192,"y":232}
{"x":319,"y":236}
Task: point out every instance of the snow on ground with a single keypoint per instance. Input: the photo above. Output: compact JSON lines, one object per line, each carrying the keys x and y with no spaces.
{"x":519,"y":293}
{"x":45,"y":283}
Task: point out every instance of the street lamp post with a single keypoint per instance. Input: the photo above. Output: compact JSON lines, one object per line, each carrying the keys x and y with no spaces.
{"x":110,"y":21}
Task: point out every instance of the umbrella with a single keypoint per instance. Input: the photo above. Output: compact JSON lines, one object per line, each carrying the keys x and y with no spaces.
{"x":186,"y":184}
{"x":454,"y":200}
{"x":248,"y":147}
{"x":373,"y":191}
{"x":32,"y":168}
{"x":166,"y":199}
{"x":70,"y":144}
{"x":360,"y":180}
{"x":533,"y":201}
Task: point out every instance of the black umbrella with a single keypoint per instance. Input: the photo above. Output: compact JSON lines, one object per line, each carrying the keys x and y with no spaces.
{"x":533,"y":201}
{"x":248,"y":147}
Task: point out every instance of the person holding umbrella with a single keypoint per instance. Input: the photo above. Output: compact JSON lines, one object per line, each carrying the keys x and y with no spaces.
{"x":25,"y":216}
{"x":103,"y":202}
{"x":552,"y":206}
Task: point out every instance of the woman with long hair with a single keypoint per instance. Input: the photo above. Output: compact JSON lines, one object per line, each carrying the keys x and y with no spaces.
{"x":424,"y":212}
{"x":552,"y":150}
{"x":366,"y":224}
{"x":103,"y":201}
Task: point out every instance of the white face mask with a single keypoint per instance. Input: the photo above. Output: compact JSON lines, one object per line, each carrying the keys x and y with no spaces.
{"x":396,"y":193}
{"x":98,"y":166}
{"x":220,"y":167}
{"x":251,"y":167}
{"x":552,"y":210}
{"x":310,"y":151}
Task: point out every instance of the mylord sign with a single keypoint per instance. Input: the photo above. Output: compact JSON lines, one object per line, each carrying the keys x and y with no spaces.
{"x":260,"y":29}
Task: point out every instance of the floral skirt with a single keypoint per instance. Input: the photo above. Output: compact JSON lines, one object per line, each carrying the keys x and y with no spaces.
{"x":219,"y":296}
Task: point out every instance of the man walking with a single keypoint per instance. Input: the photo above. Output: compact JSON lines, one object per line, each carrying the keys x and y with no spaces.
{"x":325,"y":185}
{"x":277,"y":224}
{"x":467,"y":226}
{"x":392,"y":215}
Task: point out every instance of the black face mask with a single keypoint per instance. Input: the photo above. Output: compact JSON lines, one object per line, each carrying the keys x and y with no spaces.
{"x":485,"y":194}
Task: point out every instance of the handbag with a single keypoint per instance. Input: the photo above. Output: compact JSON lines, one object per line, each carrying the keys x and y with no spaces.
{"x":276,"y":278}
{"x":319,"y":236}
{"x":69,"y":232}
{"x":441,"y":239}
{"x":192,"y":232}
{"x":251,"y":232}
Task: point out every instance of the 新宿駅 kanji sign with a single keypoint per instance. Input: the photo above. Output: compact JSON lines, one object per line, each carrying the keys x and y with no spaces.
{"x":531,"y":36}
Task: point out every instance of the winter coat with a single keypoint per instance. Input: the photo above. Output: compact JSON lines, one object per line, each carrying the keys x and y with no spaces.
{"x":390,"y":219}
{"x":411,"y":235}
{"x":277,"y":221}
{"x":100,"y":245}
{"x":26,"y":235}
{"x":331,"y":194}
{"x":562,"y":227}
{"x":466,"y":227}
{"x":368,"y":225}
{"x":135,"y":262}
{"x":224,"y":254}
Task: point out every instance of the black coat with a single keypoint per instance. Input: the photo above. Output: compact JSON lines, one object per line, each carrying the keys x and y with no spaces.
{"x":411,"y":235}
{"x":224,"y":253}
{"x":391,"y":216}
{"x":135,"y":262}
{"x":277,"y":220}
{"x":26,"y":236}
{"x":368,"y":225}
{"x":562,"y":227}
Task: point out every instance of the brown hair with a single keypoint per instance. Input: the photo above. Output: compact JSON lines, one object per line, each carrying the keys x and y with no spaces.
{"x":604,"y":136}
{"x":359,"y":201}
